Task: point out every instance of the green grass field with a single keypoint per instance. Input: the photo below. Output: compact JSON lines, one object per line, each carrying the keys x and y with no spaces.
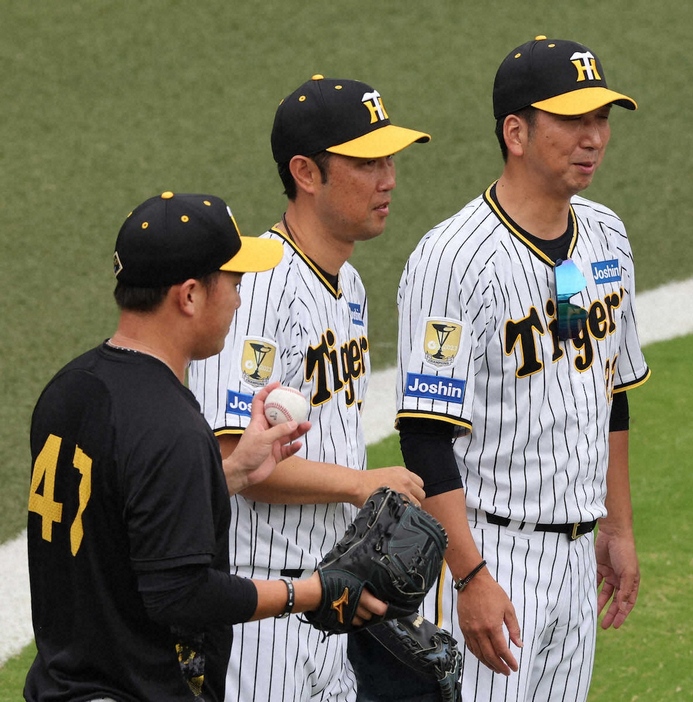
{"x":106,"y":102}
{"x":650,"y":658}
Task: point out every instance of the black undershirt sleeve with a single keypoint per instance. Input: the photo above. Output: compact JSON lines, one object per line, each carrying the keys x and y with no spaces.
{"x":197,"y":595}
{"x":427,"y":450}
{"x":620,"y":416}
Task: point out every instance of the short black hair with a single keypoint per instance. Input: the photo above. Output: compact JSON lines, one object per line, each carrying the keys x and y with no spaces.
{"x":136,"y":299}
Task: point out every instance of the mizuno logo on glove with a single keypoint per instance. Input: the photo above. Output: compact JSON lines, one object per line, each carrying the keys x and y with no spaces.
{"x":338,"y":605}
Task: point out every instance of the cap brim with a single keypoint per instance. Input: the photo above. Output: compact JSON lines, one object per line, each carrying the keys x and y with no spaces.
{"x":579,"y":102}
{"x":255,"y":255}
{"x":381,"y":142}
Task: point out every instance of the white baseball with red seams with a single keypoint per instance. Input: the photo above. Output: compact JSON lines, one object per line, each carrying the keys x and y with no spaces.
{"x":284,"y":404}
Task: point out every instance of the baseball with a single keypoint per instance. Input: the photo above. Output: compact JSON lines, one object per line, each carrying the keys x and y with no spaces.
{"x":284,"y":404}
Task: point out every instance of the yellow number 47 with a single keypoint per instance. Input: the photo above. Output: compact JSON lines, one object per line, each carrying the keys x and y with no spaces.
{"x":44,"y":503}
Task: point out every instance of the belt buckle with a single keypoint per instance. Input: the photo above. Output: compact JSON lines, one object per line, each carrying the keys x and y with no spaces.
{"x":574,"y":534}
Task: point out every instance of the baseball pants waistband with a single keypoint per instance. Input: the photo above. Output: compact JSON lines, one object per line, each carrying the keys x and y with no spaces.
{"x":572,"y":530}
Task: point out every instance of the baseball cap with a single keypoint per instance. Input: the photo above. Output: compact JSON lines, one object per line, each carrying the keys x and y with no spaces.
{"x":342,"y":116}
{"x":554,"y":75}
{"x":171,"y":237}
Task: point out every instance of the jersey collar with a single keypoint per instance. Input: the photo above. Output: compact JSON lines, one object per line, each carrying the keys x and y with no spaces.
{"x":533,"y":243}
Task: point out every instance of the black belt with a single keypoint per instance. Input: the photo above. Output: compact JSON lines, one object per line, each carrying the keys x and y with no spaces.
{"x":573,"y":530}
{"x":291,"y":572}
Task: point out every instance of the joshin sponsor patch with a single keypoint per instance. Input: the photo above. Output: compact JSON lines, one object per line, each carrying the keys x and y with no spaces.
{"x":356,"y":314}
{"x":238,"y":403}
{"x":606,"y":271}
{"x":433,"y":387}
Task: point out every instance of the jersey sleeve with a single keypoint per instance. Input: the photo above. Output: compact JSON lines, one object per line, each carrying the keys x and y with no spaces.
{"x":437,"y":332}
{"x":631,"y":369}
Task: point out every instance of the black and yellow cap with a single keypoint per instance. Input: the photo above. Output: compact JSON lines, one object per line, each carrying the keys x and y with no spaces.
{"x":342,"y":116}
{"x":554,"y":75}
{"x":171,"y":237}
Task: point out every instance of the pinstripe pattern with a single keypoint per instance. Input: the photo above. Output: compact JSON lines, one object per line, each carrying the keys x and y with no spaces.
{"x":540,"y":455}
{"x":551,"y":582}
{"x":533,"y":413}
{"x":319,"y":346}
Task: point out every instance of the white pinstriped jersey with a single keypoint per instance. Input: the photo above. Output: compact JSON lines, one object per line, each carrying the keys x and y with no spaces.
{"x":478,"y":347}
{"x":293,"y":327}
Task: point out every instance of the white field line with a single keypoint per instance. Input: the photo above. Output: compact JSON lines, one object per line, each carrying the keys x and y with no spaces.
{"x":664,"y":313}
{"x":15,"y":603}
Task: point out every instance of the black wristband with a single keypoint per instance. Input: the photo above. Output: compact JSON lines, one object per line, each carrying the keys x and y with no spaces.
{"x":463,"y":582}
{"x":290,"y":600}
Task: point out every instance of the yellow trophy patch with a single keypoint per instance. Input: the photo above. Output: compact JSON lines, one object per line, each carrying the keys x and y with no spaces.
{"x":442,"y":341}
{"x":257,"y":361}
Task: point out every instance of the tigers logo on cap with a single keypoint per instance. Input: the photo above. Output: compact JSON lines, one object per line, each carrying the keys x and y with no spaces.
{"x":586,"y":65}
{"x":327,"y":114}
{"x":554,"y":75}
{"x":374,"y":103}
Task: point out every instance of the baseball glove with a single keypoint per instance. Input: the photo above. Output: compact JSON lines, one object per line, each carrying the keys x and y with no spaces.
{"x":392,"y":548}
{"x":430,"y":651}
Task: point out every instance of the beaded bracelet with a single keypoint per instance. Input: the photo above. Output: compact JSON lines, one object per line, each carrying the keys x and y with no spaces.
{"x":463,"y":582}
{"x":290,"y":600}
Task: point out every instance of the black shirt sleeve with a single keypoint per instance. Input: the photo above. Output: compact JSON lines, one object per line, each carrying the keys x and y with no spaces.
{"x":427,"y":449}
{"x":620,"y":416}
{"x":197,"y":595}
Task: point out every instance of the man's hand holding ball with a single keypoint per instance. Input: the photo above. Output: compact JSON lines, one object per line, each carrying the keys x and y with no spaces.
{"x":260,"y":447}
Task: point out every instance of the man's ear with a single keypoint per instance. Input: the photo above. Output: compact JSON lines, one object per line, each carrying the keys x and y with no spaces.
{"x":305,"y":172}
{"x":188,"y":295}
{"x":515,"y":133}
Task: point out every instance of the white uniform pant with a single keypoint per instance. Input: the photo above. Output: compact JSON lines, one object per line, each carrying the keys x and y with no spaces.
{"x":287,"y":660}
{"x":551,"y":582}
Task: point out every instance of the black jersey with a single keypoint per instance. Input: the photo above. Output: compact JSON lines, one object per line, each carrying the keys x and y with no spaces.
{"x":127,"y":478}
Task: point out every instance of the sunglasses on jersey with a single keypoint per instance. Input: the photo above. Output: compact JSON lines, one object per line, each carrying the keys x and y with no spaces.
{"x":569,"y":282}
